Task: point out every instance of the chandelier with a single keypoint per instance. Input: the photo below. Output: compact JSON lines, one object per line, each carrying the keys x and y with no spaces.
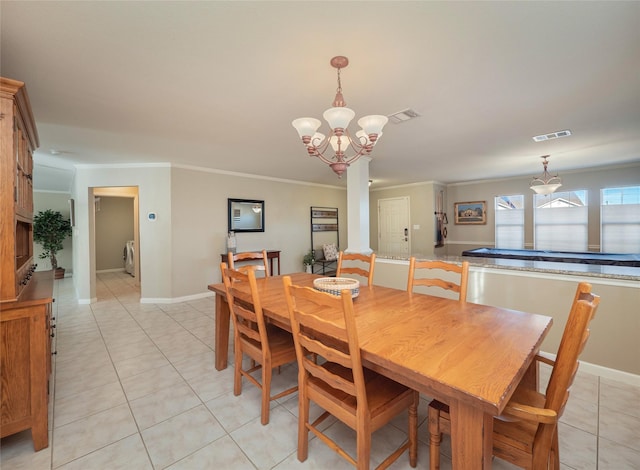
{"x":545,"y":184}
{"x":338,"y":117}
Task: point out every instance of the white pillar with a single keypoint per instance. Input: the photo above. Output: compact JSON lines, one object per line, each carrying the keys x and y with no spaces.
{"x":358,"y":207}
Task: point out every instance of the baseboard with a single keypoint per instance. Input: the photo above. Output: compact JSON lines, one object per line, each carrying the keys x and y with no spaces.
{"x":87,"y":301}
{"x":114,"y":270}
{"x":601,"y":371}
{"x":175,"y":300}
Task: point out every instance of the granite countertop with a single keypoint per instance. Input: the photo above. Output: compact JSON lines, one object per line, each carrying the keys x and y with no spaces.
{"x":575,"y":269}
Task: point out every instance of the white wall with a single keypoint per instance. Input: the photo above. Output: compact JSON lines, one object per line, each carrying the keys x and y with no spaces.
{"x":154,"y":186}
{"x":199,"y":222}
{"x":180,"y":251}
{"x":421,"y":206}
{"x":114,"y":227}
{"x":462,"y":237}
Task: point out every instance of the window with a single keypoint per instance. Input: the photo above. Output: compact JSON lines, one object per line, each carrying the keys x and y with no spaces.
{"x":560,"y":221}
{"x":620,"y":220}
{"x":510,"y":222}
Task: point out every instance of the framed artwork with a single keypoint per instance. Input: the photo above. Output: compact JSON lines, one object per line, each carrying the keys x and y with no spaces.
{"x":470,"y":213}
{"x":245,"y":215}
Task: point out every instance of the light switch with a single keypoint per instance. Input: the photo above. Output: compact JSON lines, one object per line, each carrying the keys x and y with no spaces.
{"x":416,"y":227}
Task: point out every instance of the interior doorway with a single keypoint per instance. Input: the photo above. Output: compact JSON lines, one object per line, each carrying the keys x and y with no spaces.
{"x":393,"y":226}
{"x":117,"y":232}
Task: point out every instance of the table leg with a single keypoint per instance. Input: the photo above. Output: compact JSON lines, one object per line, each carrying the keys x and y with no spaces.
{"x":531,"y":376}
{"x":471,"y":437}
{"x":222,"y":332}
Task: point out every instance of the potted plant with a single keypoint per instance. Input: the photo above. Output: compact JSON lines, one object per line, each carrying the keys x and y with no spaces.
{"x":49,"y":230}
{"x":308,"y":261}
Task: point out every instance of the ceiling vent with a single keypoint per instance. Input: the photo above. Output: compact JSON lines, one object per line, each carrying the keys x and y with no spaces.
{"x":553,"y":135}
{"x":403,"y":116}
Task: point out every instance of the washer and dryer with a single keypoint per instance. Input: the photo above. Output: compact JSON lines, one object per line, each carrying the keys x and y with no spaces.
{"x":129,"y":258}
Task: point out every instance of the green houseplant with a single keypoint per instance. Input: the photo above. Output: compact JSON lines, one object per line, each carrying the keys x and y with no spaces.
{"x":308,"y":260}
{"x":49,"y":230}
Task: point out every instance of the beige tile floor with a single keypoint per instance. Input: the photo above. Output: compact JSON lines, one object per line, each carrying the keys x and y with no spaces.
{"x":135,"y":388}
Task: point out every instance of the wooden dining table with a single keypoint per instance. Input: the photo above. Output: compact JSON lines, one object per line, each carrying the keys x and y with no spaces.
{"x":467,"y":355}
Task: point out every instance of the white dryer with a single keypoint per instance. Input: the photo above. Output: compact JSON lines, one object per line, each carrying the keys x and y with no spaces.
{"x":129,"y":258}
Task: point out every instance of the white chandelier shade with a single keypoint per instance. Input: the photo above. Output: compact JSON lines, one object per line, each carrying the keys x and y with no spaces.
{"x":306,"y":126}
{"x":339,"y":117}
{"x":373,"y":124}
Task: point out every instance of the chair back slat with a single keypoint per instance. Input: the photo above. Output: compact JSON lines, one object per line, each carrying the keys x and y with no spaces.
{"x":333,"y":380}
{"x":317,"y":347}
{"x":246,"y":256}
{"x":247,"y":331}
{"x":574,"y":338}
{"x":365,"y":261}
{"x":431,"y":281}
{"x":315,"y":317}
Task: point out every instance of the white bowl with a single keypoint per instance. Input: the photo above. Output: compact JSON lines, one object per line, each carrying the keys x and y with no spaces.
{"x":335,"y":285}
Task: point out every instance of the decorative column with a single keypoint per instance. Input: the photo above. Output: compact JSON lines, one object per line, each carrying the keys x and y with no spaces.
{"x":358,"y":207}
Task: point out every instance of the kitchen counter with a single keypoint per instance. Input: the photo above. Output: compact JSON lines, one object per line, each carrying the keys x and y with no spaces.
{"x":550,"y":267}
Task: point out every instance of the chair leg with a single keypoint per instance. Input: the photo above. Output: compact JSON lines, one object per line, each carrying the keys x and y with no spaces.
{"x":413,"y":431}
{"x":266,"y":392}
{"x":554,"y":459}
{"x":303,"y":420}
{"x":363,"y":444}
{"x":237,"y":367}
{"x":435,"y":437}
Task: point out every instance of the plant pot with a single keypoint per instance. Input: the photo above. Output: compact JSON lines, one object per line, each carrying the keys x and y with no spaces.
{"x":307,"y":268}
{"x":59,"y":273}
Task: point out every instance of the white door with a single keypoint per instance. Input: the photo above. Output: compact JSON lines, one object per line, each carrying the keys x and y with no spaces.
{"x":393,"y":226}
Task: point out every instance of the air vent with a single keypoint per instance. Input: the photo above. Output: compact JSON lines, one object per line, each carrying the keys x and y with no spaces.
{"x":553,"y":135}
{"x":403,"y":116}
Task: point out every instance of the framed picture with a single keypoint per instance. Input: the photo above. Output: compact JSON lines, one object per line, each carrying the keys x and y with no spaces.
{"x":470,"y":213}
{"x":245,"y":215}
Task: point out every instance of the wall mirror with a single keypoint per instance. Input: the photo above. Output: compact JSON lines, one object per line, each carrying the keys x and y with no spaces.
{"x":246,"y":215}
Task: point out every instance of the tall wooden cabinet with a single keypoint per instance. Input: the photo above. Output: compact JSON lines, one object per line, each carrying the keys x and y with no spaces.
{"x":25,"y":296}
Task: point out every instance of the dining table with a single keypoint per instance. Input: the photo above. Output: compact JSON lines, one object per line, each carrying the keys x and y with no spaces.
{"x":468,"y":355}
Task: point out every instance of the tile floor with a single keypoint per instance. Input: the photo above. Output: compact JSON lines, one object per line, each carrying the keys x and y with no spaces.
{"x":135,"y":388}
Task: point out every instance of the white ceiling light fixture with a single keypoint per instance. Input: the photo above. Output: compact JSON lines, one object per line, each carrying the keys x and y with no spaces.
{"x":546,"y":183}
{"x":338,"y":117}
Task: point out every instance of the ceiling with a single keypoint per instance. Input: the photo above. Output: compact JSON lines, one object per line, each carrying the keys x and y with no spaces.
{"x":217,"y":84}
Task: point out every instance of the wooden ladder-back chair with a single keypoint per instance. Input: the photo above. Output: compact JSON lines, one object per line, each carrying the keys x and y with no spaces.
{"x":370,"y":260}
{"x":462,"y":270}
{"x":267,"y":346}
{"x":324,"y":325}
{"x":526,"y":434}
{"x":232,"y":258}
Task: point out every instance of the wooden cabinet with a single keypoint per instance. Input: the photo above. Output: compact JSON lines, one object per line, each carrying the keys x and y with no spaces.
{"x":25,"y":360}
{"x":25,"y":296}
{"x":18,"y":140}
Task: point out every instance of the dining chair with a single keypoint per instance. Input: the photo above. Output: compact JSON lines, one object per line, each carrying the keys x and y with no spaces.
{"x":360,"y":271}
{"x":431,"y":268}
{"x":324,"y":325}
{"x":232,"y":258}
{"x":266,"y":345}
{"x":526,"y":434}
